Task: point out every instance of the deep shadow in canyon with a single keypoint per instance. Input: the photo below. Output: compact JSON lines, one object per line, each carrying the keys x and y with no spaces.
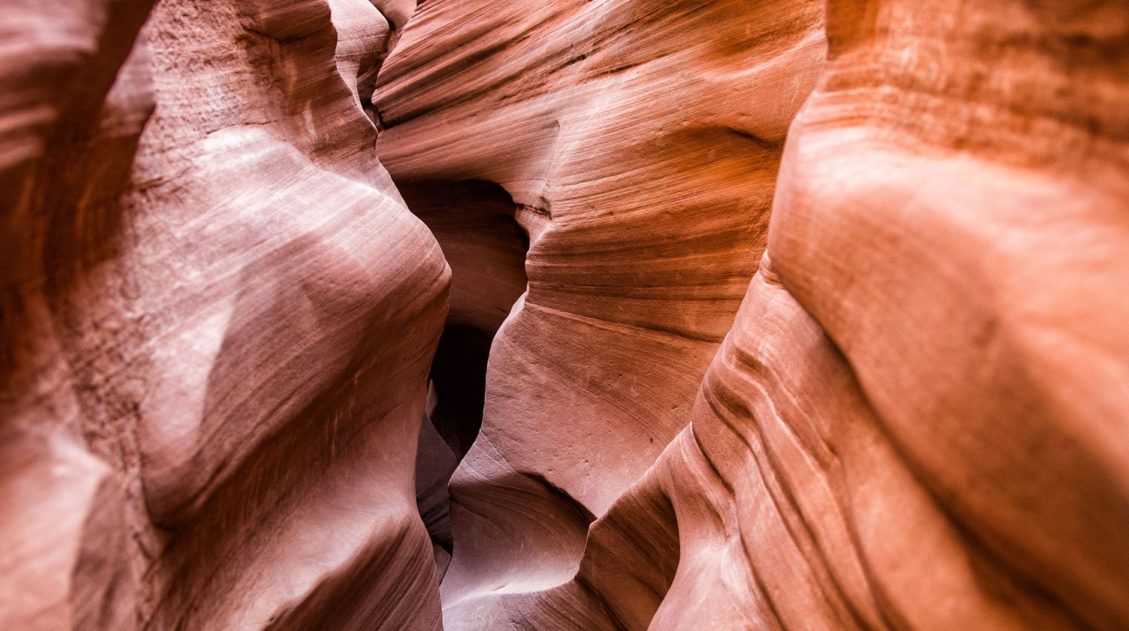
{"x":485,"y":247}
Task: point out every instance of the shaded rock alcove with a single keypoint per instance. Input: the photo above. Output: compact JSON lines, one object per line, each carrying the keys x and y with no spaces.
{"x":474,"y":223}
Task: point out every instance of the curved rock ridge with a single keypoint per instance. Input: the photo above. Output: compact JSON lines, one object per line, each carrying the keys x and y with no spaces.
{"x":949,"y":209}
{"x":215,"y":393}
{"x":917,"y":418}
{"x":664,"y":315}
{"x":640,"y":153}
{"x":66,"y":83}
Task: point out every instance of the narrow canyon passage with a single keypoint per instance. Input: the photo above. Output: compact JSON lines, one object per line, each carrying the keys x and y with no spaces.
{"x":485,"y":248}
{"x":612,"y":315}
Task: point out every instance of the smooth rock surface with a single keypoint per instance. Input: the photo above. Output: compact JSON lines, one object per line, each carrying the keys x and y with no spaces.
{"x":221,"y":388}
{"x":632,"y":140}
{"x":918,"y":418}
{"x":723,"y":315}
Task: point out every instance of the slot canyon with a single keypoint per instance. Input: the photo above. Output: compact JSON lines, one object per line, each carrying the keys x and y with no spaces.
{"x":576,"y":315}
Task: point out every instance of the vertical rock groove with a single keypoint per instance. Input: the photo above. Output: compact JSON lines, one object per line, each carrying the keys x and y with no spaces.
{"x":475,"y":226}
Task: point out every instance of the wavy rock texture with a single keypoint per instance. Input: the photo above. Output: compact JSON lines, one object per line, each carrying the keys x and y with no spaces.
{"x":949,"y":209}
{"x":66,"y":83}
{"x":641,"y":160}
{"x":719,"y":315}
{"x":231,"y":316}
{"x":917,"y":419}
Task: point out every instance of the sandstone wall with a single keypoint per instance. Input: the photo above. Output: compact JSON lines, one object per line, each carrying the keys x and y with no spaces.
{"x":785,"y":314}
{"x":917,"y":417}
{"x":220,"y":327}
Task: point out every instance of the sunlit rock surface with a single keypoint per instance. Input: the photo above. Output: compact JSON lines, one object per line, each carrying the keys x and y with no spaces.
{"x":918,"y":417}
{"x":725,"y":315}
{"x":223,"y":335}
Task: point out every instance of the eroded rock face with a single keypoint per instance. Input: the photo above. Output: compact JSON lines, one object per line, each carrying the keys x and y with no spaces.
{"x":232,"y":315}
{"x":784,"y":314}
{"x":641,"y":161}
{"x":919,"y":412}
{"x":980,"y":182}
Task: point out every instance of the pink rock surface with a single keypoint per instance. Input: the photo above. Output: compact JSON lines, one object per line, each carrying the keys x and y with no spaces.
{"x":728,"y":315}
{"x":240,"y":334}
{"x":642,"y":166}
{"x":917,"y":418}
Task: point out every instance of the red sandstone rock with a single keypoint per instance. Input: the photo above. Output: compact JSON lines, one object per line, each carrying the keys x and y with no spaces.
{"x":917,"y":417}
{"x":900,"y":403}
{"x":239,"y":333}
{"x":632,"y":284}
{"x":635,"y":141}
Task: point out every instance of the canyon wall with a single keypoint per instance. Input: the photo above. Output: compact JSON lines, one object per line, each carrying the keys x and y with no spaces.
{"x":722,"y":315}
{"x":219,"y":326}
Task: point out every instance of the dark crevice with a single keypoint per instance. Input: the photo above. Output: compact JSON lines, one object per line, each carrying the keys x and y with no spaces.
{"x":474,"y":224}
{"x":459,"y":372}
{"x":368,"y":73}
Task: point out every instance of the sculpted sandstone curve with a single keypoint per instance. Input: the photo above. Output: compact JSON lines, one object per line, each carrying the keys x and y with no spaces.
{"x":641,"y":164}
{"x":664,"y":315}
{"x":239,"y":332}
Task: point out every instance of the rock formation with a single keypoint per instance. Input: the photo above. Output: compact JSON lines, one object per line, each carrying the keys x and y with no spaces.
{"x":719,"y":315}
{"x":641,"y":159}
{"x":228,"y":320}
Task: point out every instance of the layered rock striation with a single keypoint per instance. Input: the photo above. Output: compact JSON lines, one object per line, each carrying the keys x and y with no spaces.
{"x":726,"y":315}
{"x":220,"y":329}
{"x":641,"y":158}
{"x":916,"y":418}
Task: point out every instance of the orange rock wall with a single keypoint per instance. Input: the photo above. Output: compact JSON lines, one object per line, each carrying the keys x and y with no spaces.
{"x":790,"y":314}
{"x":917,"y":417}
